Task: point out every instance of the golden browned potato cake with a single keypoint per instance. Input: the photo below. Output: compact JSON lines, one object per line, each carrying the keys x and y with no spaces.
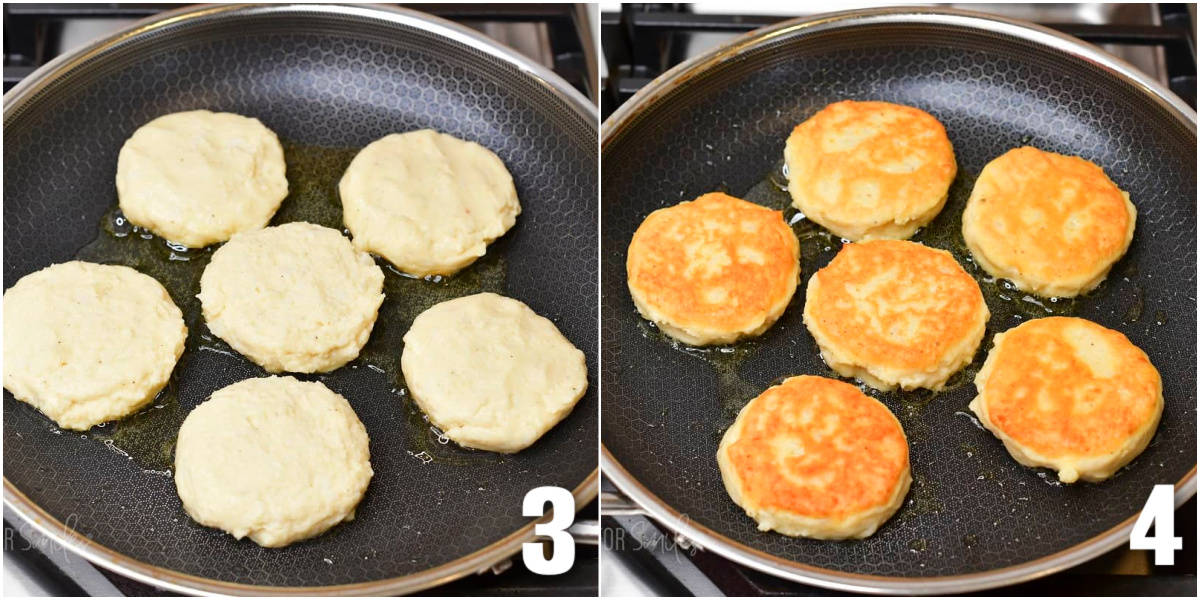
{"x":713,"y":270}
{"x":1052,"y":224}
{"x":870,"y":170}
{"x":1071,"y":395}
{"x":895,"y":313}
{"x":816,"y":457}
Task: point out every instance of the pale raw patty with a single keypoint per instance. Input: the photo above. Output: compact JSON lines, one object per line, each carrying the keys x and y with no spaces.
{"x":198,"y":177}
{"x":274,"y":459}
{"x":86,"y":343}
{"x":490,"y":372}
{"x":297,"y":297}
{"x":428,"y":202}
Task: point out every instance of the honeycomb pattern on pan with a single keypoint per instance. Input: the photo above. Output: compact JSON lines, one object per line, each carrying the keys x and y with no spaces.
{"x":972,"y":508}
{"x":347,"y":85}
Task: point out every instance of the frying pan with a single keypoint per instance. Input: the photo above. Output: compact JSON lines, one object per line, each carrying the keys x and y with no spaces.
{"x":328,"y":80}
{"x":974,"y":518}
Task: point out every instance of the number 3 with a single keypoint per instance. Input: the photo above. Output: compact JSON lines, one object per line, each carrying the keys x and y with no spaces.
{"x":1159,"y":511}
{"x":562,"y":558}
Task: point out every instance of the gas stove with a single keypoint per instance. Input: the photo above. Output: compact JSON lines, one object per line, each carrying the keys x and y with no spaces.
{"x":640,"y":42}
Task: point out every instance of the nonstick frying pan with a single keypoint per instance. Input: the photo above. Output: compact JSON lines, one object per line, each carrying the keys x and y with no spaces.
{"x":328,"y":80}
{"x":974,"y":518}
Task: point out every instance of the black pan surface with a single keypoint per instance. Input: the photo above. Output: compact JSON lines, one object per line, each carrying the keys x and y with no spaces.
{"x":328,"y":81}
{"x":972,"y":508}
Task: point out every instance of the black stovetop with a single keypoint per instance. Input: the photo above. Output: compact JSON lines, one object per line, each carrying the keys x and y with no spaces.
{"x":642,"y":41}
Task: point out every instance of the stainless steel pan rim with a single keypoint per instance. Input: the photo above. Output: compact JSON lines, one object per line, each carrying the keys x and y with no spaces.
{"x":175,"y":581}
{"x":402,"y":16}
{"x":849,"y":582}
{"x":708,"y":539}
{"x":478,"y":562}
{"x":854,"y":18}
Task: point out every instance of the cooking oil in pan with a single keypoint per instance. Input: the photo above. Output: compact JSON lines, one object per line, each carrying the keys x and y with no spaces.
{"x":1135,"y":308}
{"x":1008,"y":305}
{"x":726,"y":361}
{"x":817,"y":244}
{"x":924,"y":498}
{"x":148,"y":437}
{"x":944,"y":232}
{"x":313,"y":173}
{"x":428,"y":444}
{"x":406,"y":296}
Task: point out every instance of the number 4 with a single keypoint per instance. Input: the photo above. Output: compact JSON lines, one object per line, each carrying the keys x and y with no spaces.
{"x":1159,"y":511}
{"x":563,"y":556}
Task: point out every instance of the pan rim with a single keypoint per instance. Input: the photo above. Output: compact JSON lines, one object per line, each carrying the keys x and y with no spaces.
{"x":1032,"y":32}
{"x":177,"y":581}
{"x":180,"y":582}
{"x":63,"y":63}
{"x":708,"y":539}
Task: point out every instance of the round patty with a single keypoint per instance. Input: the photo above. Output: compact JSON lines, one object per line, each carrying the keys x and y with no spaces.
{"x":816,"y":457}
{"x":1071,"y":395}
{"x":895,"y":313}
{"x":87,"y":343}
{"x":274,"y":459}
{"x":198,"y":177}
{"x":490,"y":372}
{"x":297,"y":297}
{"x":428,"y":202}
{"x":1052,"y":224}
{"x":713,"y":270}
{"x":870,"y":170}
